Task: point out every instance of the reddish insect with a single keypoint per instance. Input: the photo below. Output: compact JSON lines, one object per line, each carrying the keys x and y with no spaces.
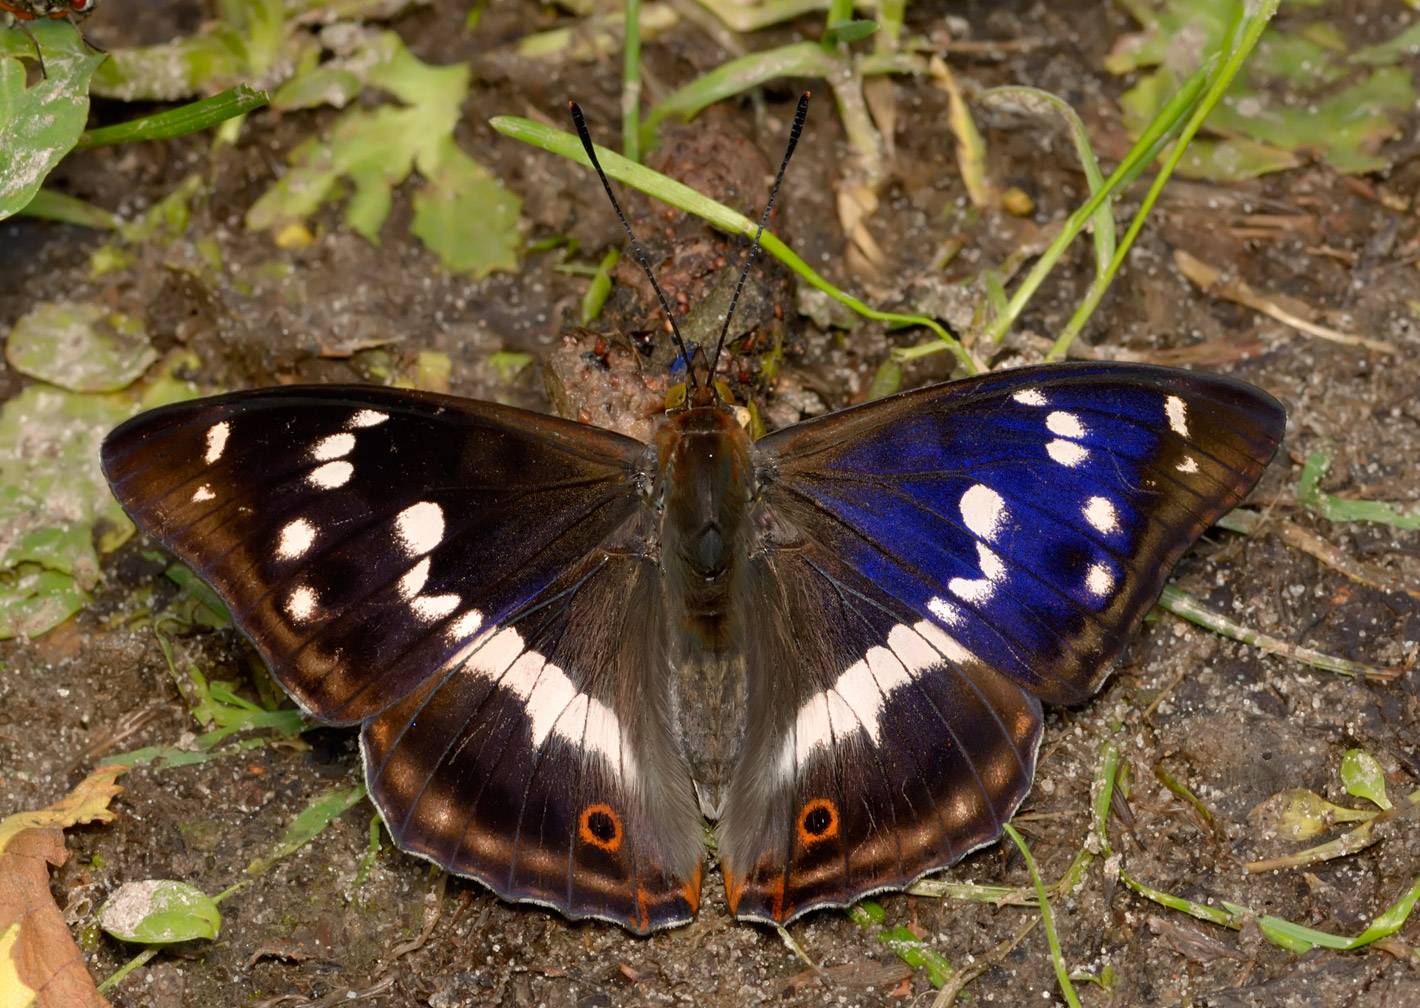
{"x":29,"y":10}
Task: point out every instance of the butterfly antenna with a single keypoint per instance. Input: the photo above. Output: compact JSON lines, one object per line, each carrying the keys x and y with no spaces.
{"x":800,"y":114}
{"x":581,"y":123}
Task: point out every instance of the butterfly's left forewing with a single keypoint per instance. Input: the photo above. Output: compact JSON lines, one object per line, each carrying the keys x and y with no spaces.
{"x":455,"y":575}
{"x":943,"y":560}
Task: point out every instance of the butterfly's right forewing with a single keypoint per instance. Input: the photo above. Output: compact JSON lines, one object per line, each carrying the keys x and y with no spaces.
{"x":364,"y":536}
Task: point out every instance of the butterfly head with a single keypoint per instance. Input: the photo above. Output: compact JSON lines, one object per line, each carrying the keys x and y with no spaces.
{"x":700,"y":394}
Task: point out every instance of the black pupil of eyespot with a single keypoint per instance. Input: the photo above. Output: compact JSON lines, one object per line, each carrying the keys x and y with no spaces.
{"x":601,"y":826}
{"x":817,"y":820}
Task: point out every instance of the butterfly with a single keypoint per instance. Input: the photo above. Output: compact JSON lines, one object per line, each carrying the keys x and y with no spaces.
{"x":566,"y":649}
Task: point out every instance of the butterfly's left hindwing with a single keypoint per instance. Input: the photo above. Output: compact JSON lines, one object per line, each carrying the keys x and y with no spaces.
{"x":932,"y":566}
{"x":459,"y":576}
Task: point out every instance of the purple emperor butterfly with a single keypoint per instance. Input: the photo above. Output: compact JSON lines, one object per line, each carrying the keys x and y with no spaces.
{"x":566,"y":649}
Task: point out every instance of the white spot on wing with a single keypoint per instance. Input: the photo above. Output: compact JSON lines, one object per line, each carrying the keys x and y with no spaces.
{"x":591,"y":725}
{"x":301,"y":604}
{"x":432,"y":607}
{"x":1099,"y":580}
{"x":216,"y":441}
{"x":1030,"y":397}
{"x":944,"y":610}
{"x":499,"y":652}
{"x":203,"y":493}
{"x":420,"y":527}
{"x":1064,"y":424}
{"x":296,"y":537}
{"x":413,"y":581}
{"x":944,"y":643}
{"x":813,"y":729}
{"x":912,"y":649}
{"x":368,"y":418}
{"x":1177,"y":411}
{"x":1067,"y":453}
{"x":983,"y":510}
{"x":980,"y":589}
{"x":331,"y":475}
{"x":554,"y":706}
{"x":1188,"y":465}
{"x":1100,"y":513}
{"x":466,"y":625}
{"x":333,"y":447}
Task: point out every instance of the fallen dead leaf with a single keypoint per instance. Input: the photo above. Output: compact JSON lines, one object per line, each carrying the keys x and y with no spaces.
{"x":39,"y":963}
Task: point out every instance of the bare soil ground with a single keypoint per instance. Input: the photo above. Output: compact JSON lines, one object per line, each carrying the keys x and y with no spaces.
{"x":1232,"y":723}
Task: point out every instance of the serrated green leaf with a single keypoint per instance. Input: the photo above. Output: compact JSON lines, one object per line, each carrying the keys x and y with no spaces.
{"x":1363,"y":777}
{"x":463,"y":213}
{"x":160,"y":912}
{"x":40,"y":124}
{"x":466,"y":216}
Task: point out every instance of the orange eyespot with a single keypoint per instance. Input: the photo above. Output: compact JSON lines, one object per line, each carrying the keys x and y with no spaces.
{"x":600,"y":827}
{"x":818,"y":820}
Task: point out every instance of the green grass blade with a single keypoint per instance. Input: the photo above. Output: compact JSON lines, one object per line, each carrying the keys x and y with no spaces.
{"x":1057,"y":957}
{"x":1187,"y":607}
{"x":798,"y":59}
{"x":681,"y":196}
{"x":193,"y":117}
{"x":631,"y":81}
{"x":1144,"y":149}
{"x":1103,"y":219}
{"x":65,"y":209}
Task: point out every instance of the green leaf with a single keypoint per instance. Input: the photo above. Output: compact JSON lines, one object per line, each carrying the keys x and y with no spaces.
{"x":309,"y":824}
{"x":1300,"y":96}
{"x":56,"y":206}
{"x":1363,"y":777}
{"x":55,"y":507}
{"x":80,"y":347}
{"x":466,"y":216}
{"x":463,"y":213}
{"x":886,"y":380}
{"x":160,"y":912}
{"x":33,"y":600}
{"x":507,"y":364}
{"x":1342,"y":509}
{"x":197,"y":604}
{"x":40,"y":124}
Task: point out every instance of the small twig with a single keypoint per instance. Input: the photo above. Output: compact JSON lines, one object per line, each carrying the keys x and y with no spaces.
{"x":793,"y":946}
{"x":1186,"y":607}
{"x":947,"y":996}
{"x":1210,"y":280}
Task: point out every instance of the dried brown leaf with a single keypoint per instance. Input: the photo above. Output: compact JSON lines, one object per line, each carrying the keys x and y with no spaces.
{"x":39,"y":962}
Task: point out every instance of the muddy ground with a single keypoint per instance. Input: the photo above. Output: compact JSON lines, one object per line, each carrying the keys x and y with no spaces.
{"x":1235,"y":725}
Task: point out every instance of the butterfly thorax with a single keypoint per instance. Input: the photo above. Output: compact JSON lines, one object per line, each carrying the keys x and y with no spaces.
{"x":705,"y":491}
